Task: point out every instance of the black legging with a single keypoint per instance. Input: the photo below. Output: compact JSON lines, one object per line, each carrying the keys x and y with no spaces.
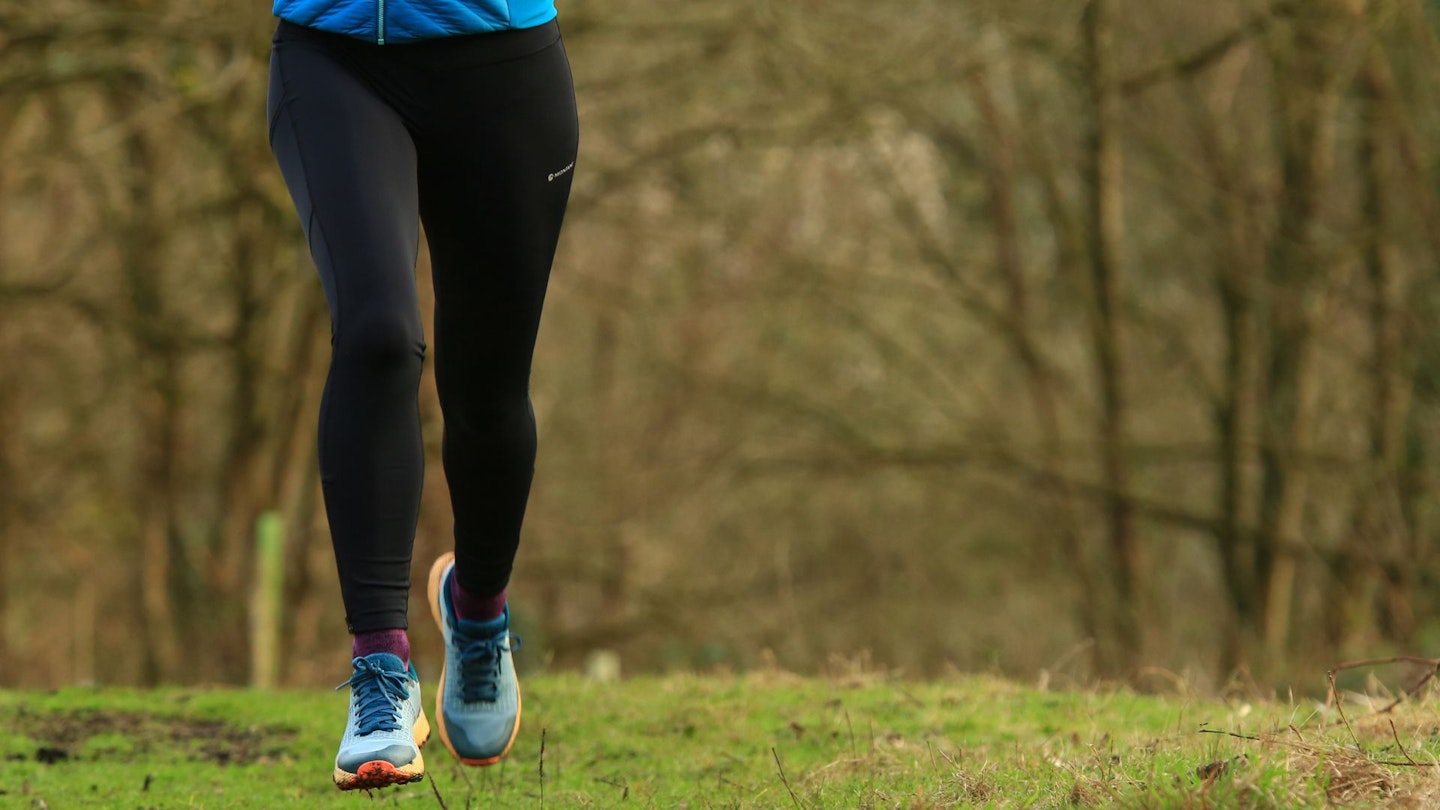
{"x":477,"y":137}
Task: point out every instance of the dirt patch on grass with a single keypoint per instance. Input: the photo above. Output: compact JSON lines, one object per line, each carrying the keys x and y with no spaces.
{"x":125,"y":736}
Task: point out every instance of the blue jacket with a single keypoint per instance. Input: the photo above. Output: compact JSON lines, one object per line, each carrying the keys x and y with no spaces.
{"x":396,"y":21}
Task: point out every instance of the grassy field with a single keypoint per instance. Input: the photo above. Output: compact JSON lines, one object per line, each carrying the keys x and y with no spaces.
{"x":755,"y":741}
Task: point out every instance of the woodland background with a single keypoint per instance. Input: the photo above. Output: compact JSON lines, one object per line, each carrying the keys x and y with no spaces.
{"x":1091,"y":338}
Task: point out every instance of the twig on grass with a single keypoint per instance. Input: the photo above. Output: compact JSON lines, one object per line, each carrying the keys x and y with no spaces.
{"x":1397,"y":659}
{"x":1401,"y":745}
{"x":542,"y":767}
{"x":621,"y":786}
{"x":1233,"y":734}
{"x":1415,"y":687}
{"x":915,"y":700}
{"x":469,"y":786}
{"x":853,"y":751}
{"x":1433,"y":665}
{"x":1311,"y":748}
{"x":837,"y":763}
{"x":434,"y":788}
{"x":1339,"y":707}
{"x":785,"y":779}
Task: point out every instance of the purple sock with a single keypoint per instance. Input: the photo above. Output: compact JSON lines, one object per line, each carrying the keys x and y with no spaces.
{"x":395,"y":642}
{"x":474,"y":608}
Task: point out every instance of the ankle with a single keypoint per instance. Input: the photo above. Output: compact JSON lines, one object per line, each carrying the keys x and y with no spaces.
{"x":476,"y":608}
{"x":394,"y":641}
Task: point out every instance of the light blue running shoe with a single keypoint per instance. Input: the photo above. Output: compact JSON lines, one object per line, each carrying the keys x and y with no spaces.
{"x":478,"y":706}
{"x":387,"y":726}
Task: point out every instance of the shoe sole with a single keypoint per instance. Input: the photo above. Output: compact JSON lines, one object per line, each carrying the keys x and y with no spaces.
{"x":437,"y":574}
{"x":380,"y":774}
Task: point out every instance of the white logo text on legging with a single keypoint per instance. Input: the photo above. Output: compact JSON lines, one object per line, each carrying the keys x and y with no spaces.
{"x":560,"y":173}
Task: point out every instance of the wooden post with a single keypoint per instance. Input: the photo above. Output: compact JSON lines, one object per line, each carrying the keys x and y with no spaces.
{"x":265,"y":603}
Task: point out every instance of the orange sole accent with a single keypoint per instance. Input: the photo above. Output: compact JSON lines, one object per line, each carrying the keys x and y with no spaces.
{"x":379,"y":774}
{"x":437,"y":573}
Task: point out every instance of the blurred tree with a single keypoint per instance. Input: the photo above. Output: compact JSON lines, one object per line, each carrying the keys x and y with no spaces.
{"x":1105,"y":226}
{"x":1079,"y":336}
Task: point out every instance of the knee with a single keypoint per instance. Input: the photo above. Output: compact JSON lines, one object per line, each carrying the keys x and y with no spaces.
{"x":381,"y":343}
{"x":491,"y":416}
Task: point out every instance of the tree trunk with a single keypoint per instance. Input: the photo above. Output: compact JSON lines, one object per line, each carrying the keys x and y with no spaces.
{"x":240,"y":502}
{"x":1058,"y":493}
{"x":1104,"y":168}
{"x":1305,"y":94}
{"x":1378,"y":553}
{"x":9,"y":449}
{"x":615,"y":559}
{"x":1235,"y":418}
{"x":1235,"y":277}
{"x":157,"y":412}
{"x":9,"y":489}
{"x":294,"y":469}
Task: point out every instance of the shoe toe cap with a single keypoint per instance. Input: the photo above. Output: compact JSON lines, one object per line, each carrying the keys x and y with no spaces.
{"x":480,"y":736}
{"x":396,"y":754}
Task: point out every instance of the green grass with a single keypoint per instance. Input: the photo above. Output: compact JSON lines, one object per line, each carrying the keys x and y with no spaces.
{"x":757,"y":741}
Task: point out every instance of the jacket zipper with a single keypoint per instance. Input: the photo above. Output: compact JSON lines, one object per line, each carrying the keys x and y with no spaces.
{"x":380,"y":24}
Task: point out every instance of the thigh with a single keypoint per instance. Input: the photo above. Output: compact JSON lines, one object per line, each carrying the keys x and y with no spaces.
{"x":496,"y":161}
{"x":349,"y":162}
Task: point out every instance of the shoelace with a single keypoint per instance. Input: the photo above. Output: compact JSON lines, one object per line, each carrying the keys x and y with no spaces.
{"x":480,"y":665}
{"x":378,"y":695}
